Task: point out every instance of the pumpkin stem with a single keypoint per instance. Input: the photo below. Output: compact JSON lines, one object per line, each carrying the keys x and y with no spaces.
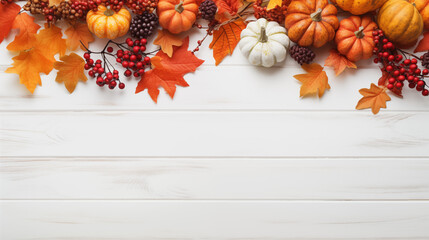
{"x":263,"y":37}
{"x":109,"y":12}
{"x":359,"y":33}
{"x":317,"y":16}
{"x":179,"y":7}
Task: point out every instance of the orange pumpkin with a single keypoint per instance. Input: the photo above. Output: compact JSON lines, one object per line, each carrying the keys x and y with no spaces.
{"x":311,"y":22}
{"x":106,"y":23}
{"x":401,"y":22}
{"x":177,"y":15}
{"x":354,"y":38}
{"x":423,"y":8}
{"x":359,"y":7}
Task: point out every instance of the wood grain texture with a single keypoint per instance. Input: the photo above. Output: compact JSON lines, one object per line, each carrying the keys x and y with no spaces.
{"x":222,"y":179}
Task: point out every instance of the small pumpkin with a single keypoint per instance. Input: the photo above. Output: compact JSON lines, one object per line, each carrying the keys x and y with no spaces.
{"x":423,"y":8}
{"x":354,"y":37}
{"x":106,"y":23}
{"x":177,"y":15}
{"x":401,"y":22}
{"x":311,"y":22}
{"x":359,"y":7}
{"x":264,"y":43}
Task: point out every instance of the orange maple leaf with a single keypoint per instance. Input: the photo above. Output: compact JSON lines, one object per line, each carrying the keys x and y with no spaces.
{"x":76,"y":33}
{"x":29,"y":64}
{"x":70,"y":71}
{"x":314,"y":81}
{"x":338,"y":61}
{"x":423,"y":45}
{"x":27,"y":31}
{"x":8,"y":14}
{"x":228,"y":6}
{"x":52,"y":38}
{"x":225,"y":39}
{"x":384,"y":80}
{"x":168,"y":72}
{"x":166,"y":41}
{"x":374,"y":98}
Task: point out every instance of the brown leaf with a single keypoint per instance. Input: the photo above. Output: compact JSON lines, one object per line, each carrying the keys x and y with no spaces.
{"x":423,"y":45}
{"x":70,"y":71}
{"x":314,"y":81}
{"x":166,"y":41}
{"x":339,"y":62}
{"x":374,"y":98}
{"x":225,"y":39}
{"x":77,"y":33}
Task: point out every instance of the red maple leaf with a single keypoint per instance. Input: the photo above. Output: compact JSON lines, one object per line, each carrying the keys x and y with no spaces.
{"x":168,"y":72}
{"x":423,"y":45}
{"x":8,"y":13}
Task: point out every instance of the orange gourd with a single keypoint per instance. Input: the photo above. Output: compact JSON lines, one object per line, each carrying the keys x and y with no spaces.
{"x":401,"y":22}
{"x":311,"y":22}
{"x":354,"y":37}
{"x":106,"y":23}
{"x":177,"y":15}
{"x":423,"y":8}
{"x":359,"y":7}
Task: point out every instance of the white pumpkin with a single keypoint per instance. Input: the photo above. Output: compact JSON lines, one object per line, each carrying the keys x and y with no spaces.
{"x":264,"y":43}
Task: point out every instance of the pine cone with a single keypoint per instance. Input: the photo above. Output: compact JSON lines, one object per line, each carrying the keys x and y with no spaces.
{"x":142,"y":26}
{"x":425,"y":59}
{"x":302,"y":54}
{"x":208,"y":10}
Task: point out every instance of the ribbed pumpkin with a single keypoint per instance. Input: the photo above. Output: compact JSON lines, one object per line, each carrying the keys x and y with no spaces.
{"x":177,"y":15}
{"x":311,"y":22}
{"x":354,"y":37}
{"x":423,"y":8}
{"x":401,"y":22}
{"x":359,"y":7}
{"x":106,"y":23}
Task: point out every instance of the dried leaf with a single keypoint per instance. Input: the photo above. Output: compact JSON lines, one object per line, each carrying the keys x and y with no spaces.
{"x":423,"y":45}
{"x":77,"y":33}
{"x":374,"y":98}
{"x":52,"y":37}
{"x":338,"y":62}
{"x":54,"y":2}
{"x":166,"y":41}
{"x":168,"y":72}
{"x":225,"y":39}
{"x":314,"y":81}
{"x":274,"y":3}
{"x":70,"y":71}
{"x":27,"y":31}
{"x":384,"y":80}
{"x":8,"y":14}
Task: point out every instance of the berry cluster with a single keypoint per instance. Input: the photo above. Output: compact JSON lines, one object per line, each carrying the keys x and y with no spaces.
{"x":142,"y":26}
{"x":276,"y":14}
{"x":208,"y":10}
{"x":302,"y":54}
{"x":141,"y":6}
{"x":68,"y":10}
{"x":131,"y":55}
{"x":399,"y":65}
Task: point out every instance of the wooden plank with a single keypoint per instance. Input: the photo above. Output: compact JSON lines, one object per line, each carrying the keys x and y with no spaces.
{"x":163,"y":178}
{"x":214,"y":134}
{"x":262,"y":220}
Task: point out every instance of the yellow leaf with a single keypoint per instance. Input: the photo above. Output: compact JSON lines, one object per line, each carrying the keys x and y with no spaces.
{"x":77,"y":33}
{"x":166,"y":41}
{"x":314,"y":81}
{"x":27,"y":31}
{"x":52,"y":38}
{"x":70,"y":71}
{"x":225,"y":39}
{"x":338,"y":62}
{"x":273,"y":4}
{"x":375,"y":98}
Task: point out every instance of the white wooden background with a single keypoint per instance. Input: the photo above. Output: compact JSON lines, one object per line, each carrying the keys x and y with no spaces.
{"x":237,"y":155}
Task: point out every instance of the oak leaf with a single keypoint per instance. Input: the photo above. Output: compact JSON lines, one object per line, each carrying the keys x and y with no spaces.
{"x":8,"y":14}
{"x":225,"y":39}
{"x":70,"y":71}
{"x":338,"y":61}
{"x":384,"y":80}
{"x":273,"y":4}
{"x":423,"y":45}
{"x":77,"y":33}
{"x":166,"y":41}
{"x":168,"y":72}
{"x":52,"y":38}
{"x":314,"y":81}
{"x":375,"y":98}
{"x":27,"y":31}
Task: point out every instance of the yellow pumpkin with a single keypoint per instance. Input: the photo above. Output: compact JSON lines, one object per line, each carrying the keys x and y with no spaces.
{"x":423,"y":7}
{"x":106,"y":23}
{"x":401,"y":22}
{"x":359,"y":7}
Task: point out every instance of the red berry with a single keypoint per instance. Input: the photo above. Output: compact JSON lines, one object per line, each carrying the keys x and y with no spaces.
{"x":95,"y":69}
{"x":87,"y":67}
{"x":91,"y":73}
{"x":375,"y":60}
{"x":109,"y":76}
{"x":142,"y":48}
{"x":131,"y":64}
{"x":110,"y":49}
{"x":413,"y":61}
{"x":147,"y":60}
{"x":402,"y":70}
{"x":136,"y":49}
{"x":407,"y":61}
{"x":385,"y":40}
{"x":390,"y":86}
{"x":100,"y":71}
{"x":416,"y":79}
{"x":133,"y":58}
{"x":376,"y":37}
{"x":118,"y":60}
{"x":120,"y":54}
{"x":425,"y":72}
{"x":125,"y":64}
{"x":389,"y":68}
{"x":91,"y":62}
{"x":141,"y":71}
{"x":401,"y":77}
{"x":100,"y":82}
{"x":410,"y":78}
{"x":115,"y":72}
{"x":121,"y":85}
{"x":419,"y":88}
{"x":385,"y":54}
{"x":420,"y":83}
{"x":86,"y":55}
{"x":411,"y":85}
{"x":143,"y":41}
{"x":425,"y":92}
{"x":413,"y":66}
{"x":417,"y":71}
{"x":127,"y":73}
{"x":399,"y":85}
{"x":136,"y":74}
{"x":374,"y":33}
{"x":98,"y":61}
{"x":139,"y":65}
{"x":396,"y":73}
{"x":106,"y":81}
{"x":398,"y":58}
{"x":136,"y":42}
{"x":392,"y":80}
{"x":389,"y":45}
{"x":126,"y":57}
{"x":130,"y":43}
{"x":98,"y":65}
{"x":391,"y":58}
{"x":128,"y":40}
{"x":376,"y":41}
